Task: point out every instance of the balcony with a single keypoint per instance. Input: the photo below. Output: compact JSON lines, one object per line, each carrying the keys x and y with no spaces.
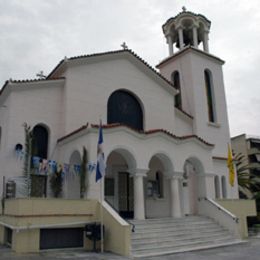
{"x":254,"y":150}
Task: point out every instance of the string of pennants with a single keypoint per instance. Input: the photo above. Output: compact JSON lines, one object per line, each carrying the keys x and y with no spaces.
{"x":44,"y":166}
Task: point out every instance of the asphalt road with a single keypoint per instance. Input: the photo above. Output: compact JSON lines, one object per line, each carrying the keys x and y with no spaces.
{"x":249,"y":251}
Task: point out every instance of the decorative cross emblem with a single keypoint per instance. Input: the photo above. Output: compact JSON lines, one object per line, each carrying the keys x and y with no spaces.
{"x":124,"y":46}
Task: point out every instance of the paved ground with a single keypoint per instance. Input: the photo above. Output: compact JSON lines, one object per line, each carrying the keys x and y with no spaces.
{"x":249,"y":251}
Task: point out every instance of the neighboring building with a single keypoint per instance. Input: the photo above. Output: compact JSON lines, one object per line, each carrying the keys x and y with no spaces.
{"x":249,"y":147}
{"x":165,"y":133}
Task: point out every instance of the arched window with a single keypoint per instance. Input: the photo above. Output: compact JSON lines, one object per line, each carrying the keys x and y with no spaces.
{"x":177,"y":84}
{"x":224,"y":186}
{"x":217,"y":187}
{"x":122,"y":107}
{"x":40,"y":141}
{"x":210,"y":96}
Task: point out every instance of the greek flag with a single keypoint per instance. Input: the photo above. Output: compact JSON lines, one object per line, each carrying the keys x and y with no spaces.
{"x":101,"y":166}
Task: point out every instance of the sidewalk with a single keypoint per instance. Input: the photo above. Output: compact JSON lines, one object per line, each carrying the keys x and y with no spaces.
{"x":249,"y":250}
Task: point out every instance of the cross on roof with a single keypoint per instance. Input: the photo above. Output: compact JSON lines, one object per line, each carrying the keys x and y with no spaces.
{"x":124,"y":46}
{"x":184,"y":9}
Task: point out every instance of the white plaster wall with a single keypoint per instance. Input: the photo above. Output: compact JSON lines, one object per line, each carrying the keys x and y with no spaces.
{"x":32,"y":105}
{"x":182,"y":64}
{"x":4,"y":122}
{"x":220,"y":169}
{"x":191,"y":66}
{"x":217,"y":134}
{"x":183,"y":124}
{"x":159,"y":207}
{"x":88,"y":88}
{"x":142,"y":148}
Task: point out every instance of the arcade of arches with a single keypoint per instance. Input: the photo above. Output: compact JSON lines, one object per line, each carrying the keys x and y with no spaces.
{"x":157,"y":191}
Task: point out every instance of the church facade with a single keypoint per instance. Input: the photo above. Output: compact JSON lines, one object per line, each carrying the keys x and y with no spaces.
{"x":165,"y":130}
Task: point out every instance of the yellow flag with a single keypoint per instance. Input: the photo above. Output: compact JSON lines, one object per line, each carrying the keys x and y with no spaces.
{"x":230,"y":166}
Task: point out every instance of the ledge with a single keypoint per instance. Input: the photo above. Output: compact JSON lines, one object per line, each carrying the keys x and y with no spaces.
{"x":217,"y":125}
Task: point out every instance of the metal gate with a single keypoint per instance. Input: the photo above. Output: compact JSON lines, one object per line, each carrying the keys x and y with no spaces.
{"x":61,"y":238}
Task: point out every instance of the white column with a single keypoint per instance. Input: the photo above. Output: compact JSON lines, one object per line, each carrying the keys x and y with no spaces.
{"x":175,"y":196}
{"x":170,"y":44}
{"x":180,"y":33}
{"x":139,"y":212}
{"x":195,"y":36}
{"x":206,"y":41}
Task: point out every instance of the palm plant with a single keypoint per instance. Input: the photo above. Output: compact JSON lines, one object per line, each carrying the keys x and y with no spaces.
{"x":248,"y":183}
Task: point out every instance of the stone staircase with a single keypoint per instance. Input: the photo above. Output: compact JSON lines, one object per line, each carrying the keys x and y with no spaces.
{"x":153,"y":237}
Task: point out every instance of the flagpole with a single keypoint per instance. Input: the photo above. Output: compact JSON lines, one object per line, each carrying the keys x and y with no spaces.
{"x":101,"y":213}
{"x":100,"y":172}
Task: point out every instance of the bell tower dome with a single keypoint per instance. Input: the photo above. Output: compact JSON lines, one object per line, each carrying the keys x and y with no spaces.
{"x":198,"y":77}
{"x":187,"y":29}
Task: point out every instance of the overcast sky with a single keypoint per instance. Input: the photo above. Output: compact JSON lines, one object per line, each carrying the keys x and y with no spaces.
{"x":36,"y":34}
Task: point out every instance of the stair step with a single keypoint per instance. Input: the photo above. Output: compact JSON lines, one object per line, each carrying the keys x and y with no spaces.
{"x":168,"y":235}
{"x":149,"y":240}
{"x":178,"y":243}
{"x":174,"y":230}
{"x":166,"y":224}
{"x":166,"y":251}
{"x":168,"y":220}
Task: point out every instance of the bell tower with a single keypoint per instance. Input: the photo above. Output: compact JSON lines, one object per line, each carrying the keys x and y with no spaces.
{"x":187,"y":29}
{"x":198,"y":77}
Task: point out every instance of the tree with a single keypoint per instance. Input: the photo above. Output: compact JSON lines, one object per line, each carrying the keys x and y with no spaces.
{"x":83,"y":173}
{"x":27,"y":155}
{"x":56,"y":182}
{"x":248,"y":183}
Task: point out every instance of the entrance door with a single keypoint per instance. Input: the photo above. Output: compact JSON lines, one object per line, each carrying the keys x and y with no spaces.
{"x":125,"y":195}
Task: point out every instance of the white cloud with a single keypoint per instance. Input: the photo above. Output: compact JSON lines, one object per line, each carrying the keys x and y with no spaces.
{"x":35,"y":35}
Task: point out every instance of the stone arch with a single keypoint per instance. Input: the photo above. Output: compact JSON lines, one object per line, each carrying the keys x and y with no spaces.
{"x":128,"y":155}
{"x":157,"y":186}
{"x":194,"y":185}
{"x":119,"y":190}
{"x":72,"y":180}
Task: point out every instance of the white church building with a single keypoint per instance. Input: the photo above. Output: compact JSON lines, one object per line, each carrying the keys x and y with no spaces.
{"x":165,"y":133}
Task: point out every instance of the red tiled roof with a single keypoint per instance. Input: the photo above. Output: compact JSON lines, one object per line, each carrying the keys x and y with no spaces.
{"x":186,"y":12}
{"x":148,"y":132}
{"x":187,"y":49}
{"x":111,"y":53}
{"x":184,"y":112}
{"x":219,"y":158}
{"x":73,"y":132}
{"x":26,"y":81}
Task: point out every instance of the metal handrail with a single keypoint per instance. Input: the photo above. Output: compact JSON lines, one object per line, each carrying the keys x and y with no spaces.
{"x":219,"y":207}
{"x":131,"y":224}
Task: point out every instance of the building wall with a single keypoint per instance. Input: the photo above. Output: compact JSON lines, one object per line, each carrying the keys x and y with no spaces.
{"x":221,"y":170}
{"x":191,"y":66}
{"x":142,"y":149}
{"x":89,"y":86}
{"x":239,"y":145}
{"x":33,"y":105}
